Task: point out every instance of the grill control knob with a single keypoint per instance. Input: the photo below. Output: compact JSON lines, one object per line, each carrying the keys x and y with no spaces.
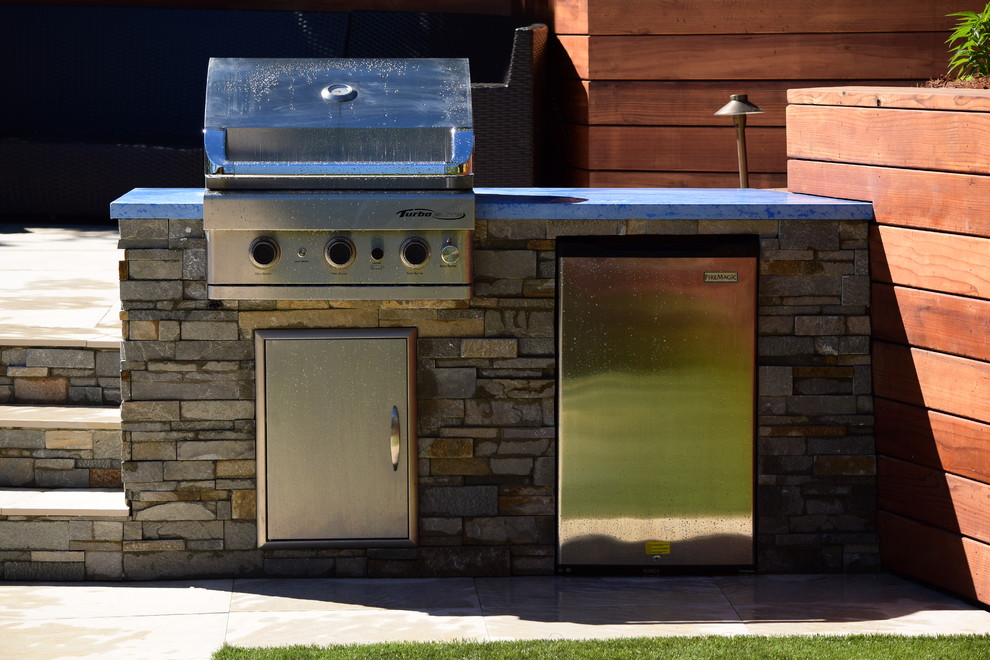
{"x":340,"y":252}
{"x":449,"y":254}
{"x":264,"y":252}
{"x":415,"y":252}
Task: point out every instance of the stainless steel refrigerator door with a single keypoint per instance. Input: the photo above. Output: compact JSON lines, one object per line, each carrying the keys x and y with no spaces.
{"x":336,"y":455}
{"x":656,"y":374}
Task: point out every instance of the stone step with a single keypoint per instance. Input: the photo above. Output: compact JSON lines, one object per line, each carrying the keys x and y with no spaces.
{"x":60,"y":371}
{"x":64,"y":502}
{"x":59,"y":446}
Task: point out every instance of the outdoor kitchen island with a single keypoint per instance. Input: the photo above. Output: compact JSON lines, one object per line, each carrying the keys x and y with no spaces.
{"x":485,"y":383}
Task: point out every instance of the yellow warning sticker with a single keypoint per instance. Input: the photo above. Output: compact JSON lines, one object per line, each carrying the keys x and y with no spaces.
{"x":658,"y":547}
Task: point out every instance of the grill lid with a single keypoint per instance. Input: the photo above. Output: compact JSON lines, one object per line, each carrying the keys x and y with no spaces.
{"x":326,"y":123}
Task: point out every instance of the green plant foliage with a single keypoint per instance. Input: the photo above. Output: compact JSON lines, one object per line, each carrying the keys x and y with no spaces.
{"x":970,"y":45}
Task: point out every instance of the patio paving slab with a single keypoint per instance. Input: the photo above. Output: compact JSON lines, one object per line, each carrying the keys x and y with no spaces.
{"x":59,"y":286}
{"x":81,"y":502}
{"x":189,"y":620}
{"x":171,"y":637}
{"x":449,"y":595}
{"x":25,"y":416}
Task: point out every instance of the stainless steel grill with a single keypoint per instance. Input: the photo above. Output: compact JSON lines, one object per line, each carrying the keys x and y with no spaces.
{"x":338,"y":179}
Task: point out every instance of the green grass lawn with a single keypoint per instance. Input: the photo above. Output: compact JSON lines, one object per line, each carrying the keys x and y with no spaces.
{"x":819,"y":647}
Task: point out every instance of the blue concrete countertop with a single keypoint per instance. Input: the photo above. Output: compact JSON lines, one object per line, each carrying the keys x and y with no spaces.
{"x":570,"y":204}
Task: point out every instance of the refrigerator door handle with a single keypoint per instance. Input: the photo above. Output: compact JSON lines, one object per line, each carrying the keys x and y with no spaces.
{"x":395,"y":441}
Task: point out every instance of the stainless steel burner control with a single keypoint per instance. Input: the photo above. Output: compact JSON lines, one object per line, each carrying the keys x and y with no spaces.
{"x":340,"y":252}
{"x":338,"y":245}
{"x":264,"y":252}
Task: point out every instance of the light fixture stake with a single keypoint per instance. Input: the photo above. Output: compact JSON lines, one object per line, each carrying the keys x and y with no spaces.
{"x":738,"y":107}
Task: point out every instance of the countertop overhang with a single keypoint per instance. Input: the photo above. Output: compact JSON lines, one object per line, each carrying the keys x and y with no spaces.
{"x":570,"y":204}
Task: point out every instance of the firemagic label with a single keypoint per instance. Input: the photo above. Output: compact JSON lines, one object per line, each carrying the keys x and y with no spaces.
{"x":658,"y":547}
{"x":721,"y":276}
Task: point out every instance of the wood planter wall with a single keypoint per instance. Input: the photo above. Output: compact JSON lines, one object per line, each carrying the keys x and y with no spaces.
{"x":920,"y":156}
{"x":638,"y":81}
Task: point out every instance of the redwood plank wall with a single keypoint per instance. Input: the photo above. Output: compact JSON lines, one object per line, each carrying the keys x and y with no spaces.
{"x":910,"y":153}
{"x":636,"y":82}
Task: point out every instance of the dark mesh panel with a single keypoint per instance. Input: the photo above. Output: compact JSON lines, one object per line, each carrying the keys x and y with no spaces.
{"x":485,"y":40}
{"x":88,"y":176}
{"x":135,"y":75}
{"x":105,"y":99}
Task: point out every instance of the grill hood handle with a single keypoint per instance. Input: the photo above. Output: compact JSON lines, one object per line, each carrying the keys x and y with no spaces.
{"x":456,"y":161}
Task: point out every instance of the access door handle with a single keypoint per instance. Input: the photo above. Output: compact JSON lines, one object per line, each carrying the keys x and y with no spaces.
{"x":395,"y":440}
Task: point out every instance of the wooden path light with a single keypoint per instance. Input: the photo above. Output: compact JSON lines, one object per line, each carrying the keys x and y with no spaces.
{"x":738,"y":107}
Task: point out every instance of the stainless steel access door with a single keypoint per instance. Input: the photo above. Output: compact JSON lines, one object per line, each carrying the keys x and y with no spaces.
{"x":656,"y":394}
{"x":336,"y":447}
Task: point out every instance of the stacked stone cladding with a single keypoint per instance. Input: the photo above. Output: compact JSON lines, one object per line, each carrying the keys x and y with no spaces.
{"x":61,"y":548}
{"x":59,"y":458}
{"x":60,"y":375}
{"x":486,"y":405}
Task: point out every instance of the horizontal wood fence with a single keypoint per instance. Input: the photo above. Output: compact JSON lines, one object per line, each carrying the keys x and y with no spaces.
{"x":915,"y":155}
{"x":670,"y":64}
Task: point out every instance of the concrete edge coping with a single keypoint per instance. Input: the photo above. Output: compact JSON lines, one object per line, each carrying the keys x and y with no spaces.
{"x":103,"y":342}
{"x":34,"y":341}
{"x":60,"y":417}
{"x":77,"y":502}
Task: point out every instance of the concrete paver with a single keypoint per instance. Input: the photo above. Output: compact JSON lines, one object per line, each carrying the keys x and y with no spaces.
{"x":189,"y":620}
{"x":59,"y":285}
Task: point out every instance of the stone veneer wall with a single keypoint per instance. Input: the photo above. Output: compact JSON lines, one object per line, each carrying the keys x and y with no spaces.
{"x":76,"y":376}
{"x":486,"y":374}
{"x":33,"y":457}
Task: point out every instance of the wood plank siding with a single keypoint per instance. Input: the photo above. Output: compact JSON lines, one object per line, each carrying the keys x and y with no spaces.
{"x":935,"y":497}
{"x":928,"y":140}
{"x":958,"y":325}
{"x":670,"y":64}
{"x":753,"y":56}
{"x":942,"y":201}
{"x":918,"y":156}
{"x":938,"y":556}
{"x":937,"y":440}
{"x":745,"y":16}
